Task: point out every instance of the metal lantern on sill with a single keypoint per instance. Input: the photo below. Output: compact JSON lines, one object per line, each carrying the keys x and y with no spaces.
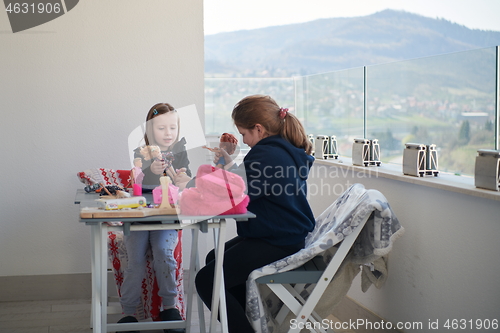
{"x":325,"y":147}
{"x":487,"y":170}
{"x":431,"y":163}
{"x":333,"y":148}
{"x":420,"y":160}
{"x":311,"y":139}
{"x":366,"y":152}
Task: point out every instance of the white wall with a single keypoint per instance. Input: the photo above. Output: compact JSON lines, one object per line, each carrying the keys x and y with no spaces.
{"x":71,"y":91}
{"x":445,"y":266}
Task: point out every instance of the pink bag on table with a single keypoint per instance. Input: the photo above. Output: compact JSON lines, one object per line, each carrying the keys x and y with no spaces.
{"x":217,"y":192}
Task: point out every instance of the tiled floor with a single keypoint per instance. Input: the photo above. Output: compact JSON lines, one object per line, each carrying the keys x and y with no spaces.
{"x":61,"y":316}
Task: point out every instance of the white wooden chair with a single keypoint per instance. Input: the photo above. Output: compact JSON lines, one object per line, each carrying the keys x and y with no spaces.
{"x":359,"y":225}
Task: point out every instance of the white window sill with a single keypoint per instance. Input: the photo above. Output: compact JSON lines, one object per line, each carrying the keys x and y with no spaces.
{"x":444,"y":181}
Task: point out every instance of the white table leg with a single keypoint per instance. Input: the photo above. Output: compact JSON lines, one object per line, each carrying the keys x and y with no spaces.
{"x":193,"y":270}
{"x":218,"y":295}
{"x":201,"y":306}
{"x":96,"y":288}
{"x":104,"y":276}
{"x":222,"y":303}
{"x":92,"y":275}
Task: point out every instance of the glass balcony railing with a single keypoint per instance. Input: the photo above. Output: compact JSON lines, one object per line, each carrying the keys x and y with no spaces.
{"x":222,"y":94}
{"x":332,"y":104}
{"x":448,"y":100}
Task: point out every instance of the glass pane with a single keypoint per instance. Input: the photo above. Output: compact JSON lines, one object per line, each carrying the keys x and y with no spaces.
{"x":332,"y":104}
{"x":446,"y":100}
{"x":222,"y":94}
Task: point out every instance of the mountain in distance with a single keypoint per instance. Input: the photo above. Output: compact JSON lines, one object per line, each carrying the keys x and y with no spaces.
{"x":333,"y":44}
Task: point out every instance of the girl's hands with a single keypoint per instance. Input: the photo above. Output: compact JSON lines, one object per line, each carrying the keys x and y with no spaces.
{"x":221,"y":152}
{"x":158,"y":166}
{"x":179,"y":177}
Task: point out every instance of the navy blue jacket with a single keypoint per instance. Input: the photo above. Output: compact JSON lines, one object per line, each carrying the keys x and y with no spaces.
{"x":276,"y":172}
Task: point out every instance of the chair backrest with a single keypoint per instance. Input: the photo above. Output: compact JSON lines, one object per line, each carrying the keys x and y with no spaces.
{"x":340,"y":218}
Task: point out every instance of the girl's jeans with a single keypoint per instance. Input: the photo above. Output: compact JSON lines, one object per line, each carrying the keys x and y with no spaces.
{"x":162,"y":243}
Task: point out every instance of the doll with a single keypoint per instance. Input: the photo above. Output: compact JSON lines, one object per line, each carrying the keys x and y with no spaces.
{"x":136,"y":174}
{"x":154,"y":153}
{"x":150,"y":152}
{"x":228,"y":142}
{"x":113,"y":191}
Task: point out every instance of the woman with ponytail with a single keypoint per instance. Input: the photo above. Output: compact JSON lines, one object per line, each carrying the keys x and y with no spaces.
{"x":276,"y":170}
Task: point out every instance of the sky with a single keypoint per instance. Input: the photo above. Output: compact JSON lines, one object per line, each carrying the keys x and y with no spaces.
{"x":232,"y":15}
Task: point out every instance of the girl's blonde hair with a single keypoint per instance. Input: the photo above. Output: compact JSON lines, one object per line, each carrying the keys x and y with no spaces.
{"x":263,"y":110}
{"x":156,"y":110}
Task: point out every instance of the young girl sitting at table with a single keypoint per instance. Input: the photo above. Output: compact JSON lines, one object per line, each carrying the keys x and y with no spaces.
{"x":162,"y":130}
{"x":276,"y":170}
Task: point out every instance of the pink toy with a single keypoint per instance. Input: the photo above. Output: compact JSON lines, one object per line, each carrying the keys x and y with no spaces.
{"x":137,"y":189}
{"x":217,"y":192}
{"x":173,"y":192}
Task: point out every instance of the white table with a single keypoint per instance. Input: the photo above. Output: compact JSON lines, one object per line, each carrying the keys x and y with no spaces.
{"x":99,"y":232}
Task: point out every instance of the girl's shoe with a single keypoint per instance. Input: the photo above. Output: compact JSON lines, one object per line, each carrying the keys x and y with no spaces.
{"x":170,"y":315}
{"x":128,"y":319}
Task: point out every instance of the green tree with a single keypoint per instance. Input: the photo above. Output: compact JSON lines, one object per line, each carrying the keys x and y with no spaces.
{"x":464,"y":133}
{"x":488,"y":126}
